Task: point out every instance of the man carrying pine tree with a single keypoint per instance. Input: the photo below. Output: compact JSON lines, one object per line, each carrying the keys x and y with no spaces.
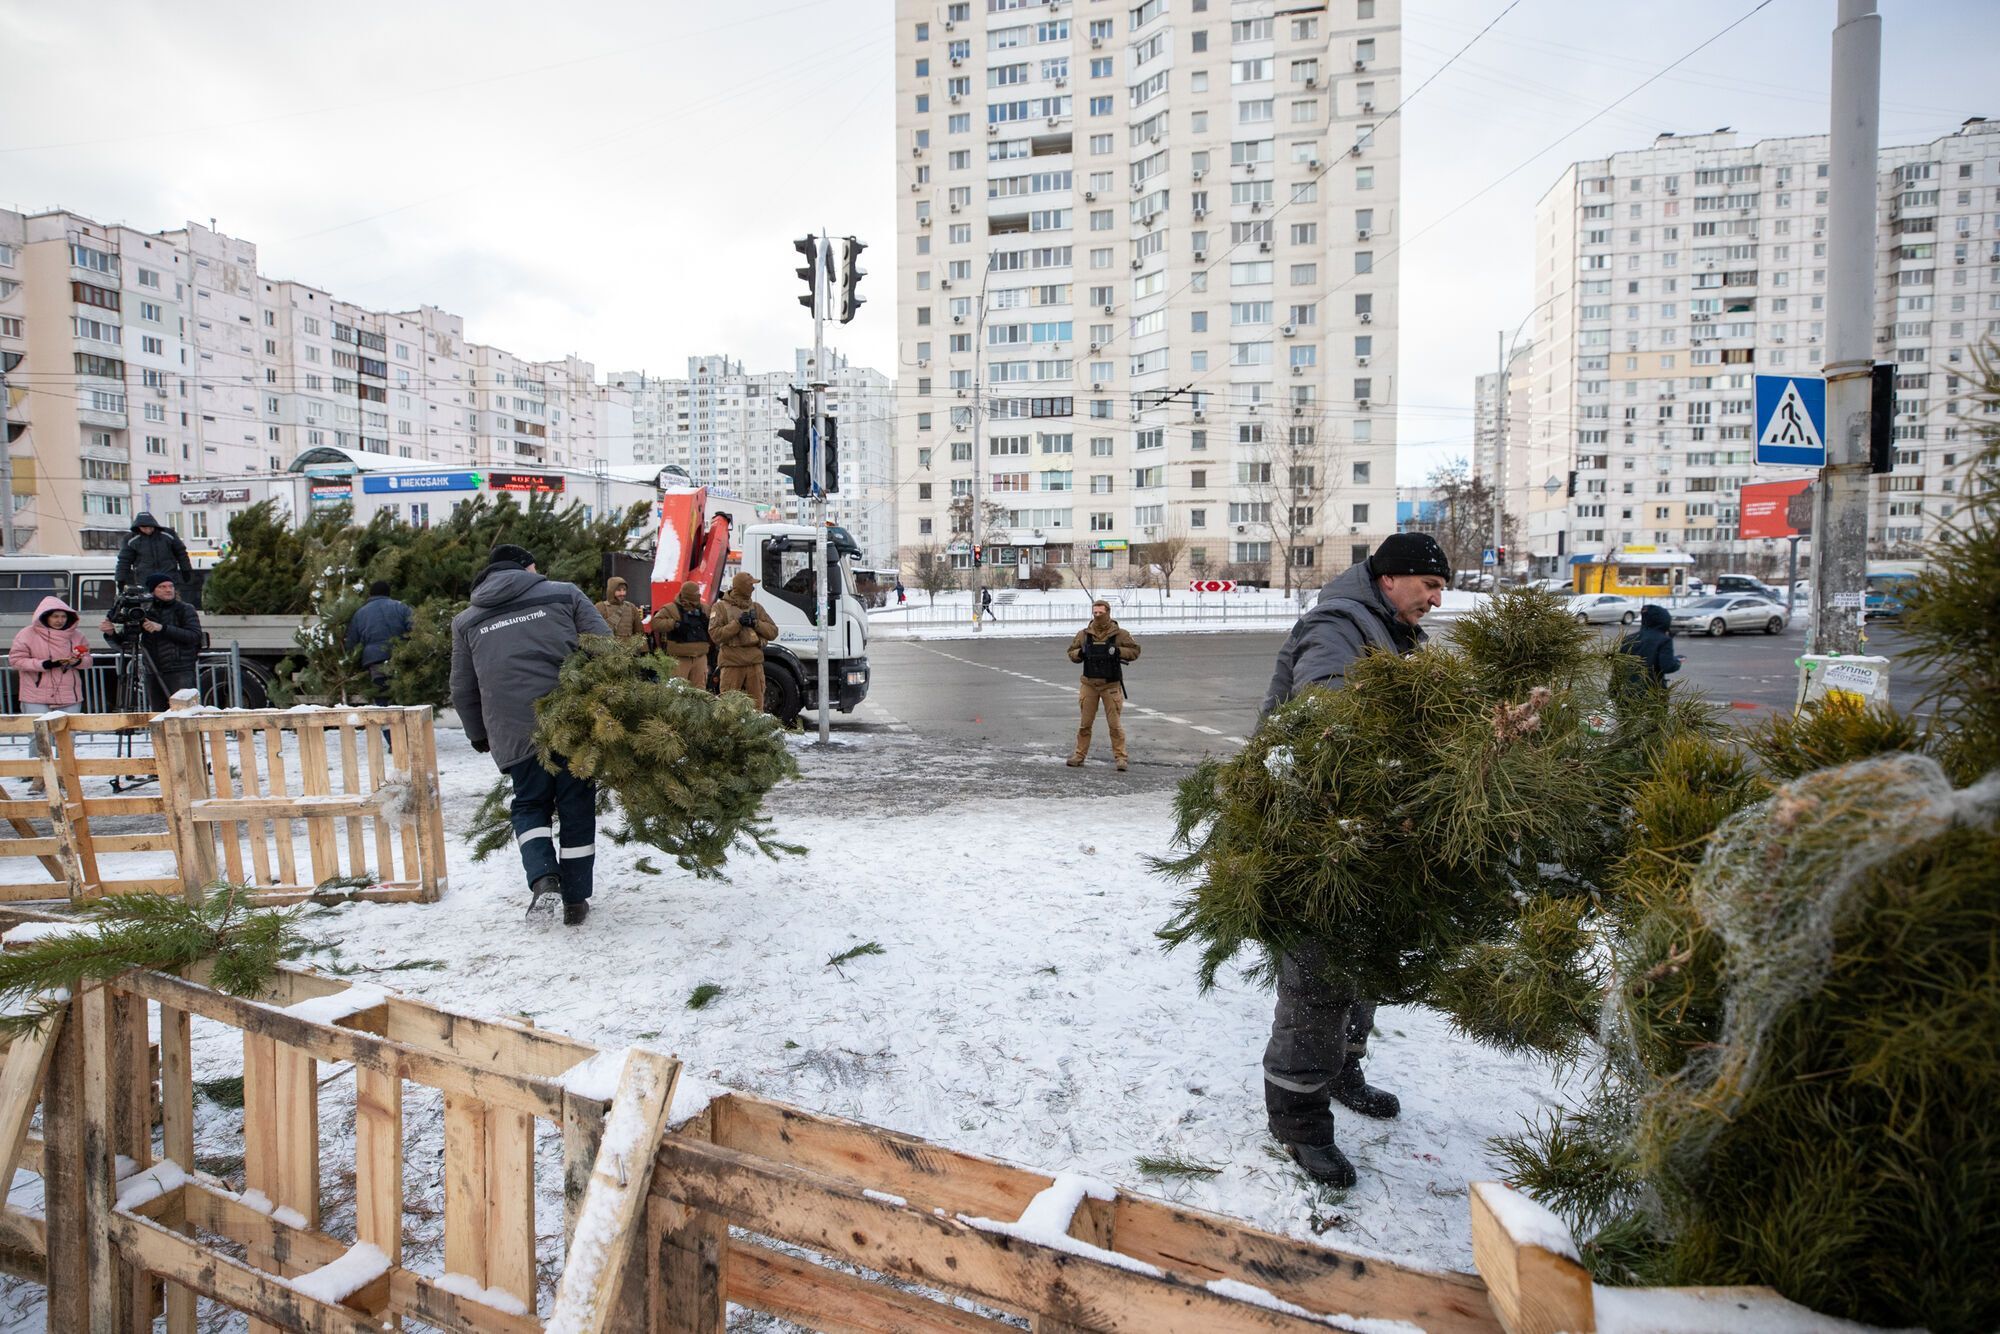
{"x":1103,"y":648}
{"x":1319,"y":1034}
{"x":507,"y":650}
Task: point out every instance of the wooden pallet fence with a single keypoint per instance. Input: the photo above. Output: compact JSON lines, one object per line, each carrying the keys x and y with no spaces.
{"x":69,"y":852}
{"x":359,"y":786}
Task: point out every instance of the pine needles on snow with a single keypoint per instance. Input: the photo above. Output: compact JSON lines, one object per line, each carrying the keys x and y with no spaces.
{"x":687,"y":770}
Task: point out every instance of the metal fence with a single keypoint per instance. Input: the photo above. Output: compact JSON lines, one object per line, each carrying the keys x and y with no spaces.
{"x":222,"y":676}
{"x":1025,"y":610}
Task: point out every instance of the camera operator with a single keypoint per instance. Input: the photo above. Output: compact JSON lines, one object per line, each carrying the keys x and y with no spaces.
{"x":164,"y":627}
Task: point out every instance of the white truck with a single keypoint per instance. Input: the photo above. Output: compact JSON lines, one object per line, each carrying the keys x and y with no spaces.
{"x":706,"y":537}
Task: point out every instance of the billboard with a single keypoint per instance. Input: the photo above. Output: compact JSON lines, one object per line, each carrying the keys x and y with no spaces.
{"x":1777,"y":509}
{"x":390,"y":483}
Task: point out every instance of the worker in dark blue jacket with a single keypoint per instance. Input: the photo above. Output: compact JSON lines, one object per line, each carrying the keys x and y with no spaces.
{"x":374,"y":629}
{"x":1652,"y":644}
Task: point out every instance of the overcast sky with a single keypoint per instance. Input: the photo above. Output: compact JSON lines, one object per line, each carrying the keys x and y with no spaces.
{"x":622,"y":180}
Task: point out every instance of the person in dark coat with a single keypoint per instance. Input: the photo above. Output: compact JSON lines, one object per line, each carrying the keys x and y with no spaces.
{"x":986,"y":605}
{"x":151,"y":548}
{"x":1319,"y":1034}
{"x":1652,"y":645}
{"x":169,"y":634}
{"x":507,"y":649}
{"x":374,"y":629}
{"x":686,"y":635}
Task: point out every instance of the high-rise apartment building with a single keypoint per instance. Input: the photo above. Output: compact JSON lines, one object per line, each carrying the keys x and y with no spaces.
{"x":1669,"y":276}
{"x":1488,"y":421}
{"x":169,"y":355}
{"x":719,"y":424}
{"x":1147,"y":282}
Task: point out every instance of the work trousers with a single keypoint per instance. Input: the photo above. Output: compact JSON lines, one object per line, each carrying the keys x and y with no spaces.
{"x":749,"y":680}
{"x":1088,"y":696}
{"x":694,"y":671}
{"x":555,"y":825}
{"x":1320,"y":1026}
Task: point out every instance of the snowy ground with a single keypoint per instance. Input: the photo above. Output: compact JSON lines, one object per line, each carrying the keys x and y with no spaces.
{"x":1020,"y":1008}
{"x":1062,"y":611}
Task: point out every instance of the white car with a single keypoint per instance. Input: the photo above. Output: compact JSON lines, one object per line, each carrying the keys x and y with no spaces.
{"x":1731,"y":612}
{"x":1604,"y":608}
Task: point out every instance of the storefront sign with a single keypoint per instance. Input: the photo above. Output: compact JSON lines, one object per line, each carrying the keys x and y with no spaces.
{"x":162,"y":478}
{"x":524,"y":481}
{"x":325,"y":496}
{"x":214,"y":495}
{"x":1109,"y":544}
{"x":388,"y":483}
{"x":331,"y":470}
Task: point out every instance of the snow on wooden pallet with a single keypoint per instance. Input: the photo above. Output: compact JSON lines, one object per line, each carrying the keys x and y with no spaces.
{"x":233,"y":797}
{"x":678,"y":1202}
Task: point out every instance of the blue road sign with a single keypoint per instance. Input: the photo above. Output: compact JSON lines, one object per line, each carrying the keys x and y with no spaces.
{"x":1486,"y":557}
{"x":1791,"y":420}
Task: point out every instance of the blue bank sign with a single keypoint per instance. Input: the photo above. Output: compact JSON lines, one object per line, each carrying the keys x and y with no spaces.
{"x":384,"y":483}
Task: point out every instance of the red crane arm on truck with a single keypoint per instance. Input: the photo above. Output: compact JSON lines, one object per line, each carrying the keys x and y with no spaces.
{"x":692,"y":547}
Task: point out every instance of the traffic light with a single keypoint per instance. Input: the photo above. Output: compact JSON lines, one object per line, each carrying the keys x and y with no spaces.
{"x":799,"y":436}
{"x":808,"y":246}
{"x":8,"y":361}
{"x":1572,"y":482}
{"x":848,"y":281}
{"x":832,"y":454}
{"x":1882,"y":417}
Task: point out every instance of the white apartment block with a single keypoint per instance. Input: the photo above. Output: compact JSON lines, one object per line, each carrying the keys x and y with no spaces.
{"x":1146,"y":272}
{"x":167,"y":355}
{"x":1487,"y":420}
{"x":719,"y":424}
{"x":1667,"y":277}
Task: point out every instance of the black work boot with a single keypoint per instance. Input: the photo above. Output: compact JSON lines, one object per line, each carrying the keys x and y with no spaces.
{"x":1324,"y":1163}
{"x":541,"y":887}
{"x":574,"y":914}
{"x":1353,"y":1091}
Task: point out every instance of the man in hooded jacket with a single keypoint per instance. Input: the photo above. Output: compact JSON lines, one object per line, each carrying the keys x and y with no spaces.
{"x":153,"y":548}
{"x":507,"y":649}
{"x":686,"y":635}
{"x":739,"y":628}
{"x":626,"y":621}
{"x":1652,"y":644}
{"x":1319,"y":1034}
{"x":1103,"y":648}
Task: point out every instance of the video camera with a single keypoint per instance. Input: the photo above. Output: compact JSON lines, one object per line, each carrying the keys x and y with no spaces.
{"x":129,"y":614}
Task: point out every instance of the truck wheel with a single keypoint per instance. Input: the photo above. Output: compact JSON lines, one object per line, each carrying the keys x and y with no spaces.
{"x":781,"y":694}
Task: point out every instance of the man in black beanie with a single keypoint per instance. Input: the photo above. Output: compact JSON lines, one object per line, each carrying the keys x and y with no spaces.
{"x":1320,"y":1032}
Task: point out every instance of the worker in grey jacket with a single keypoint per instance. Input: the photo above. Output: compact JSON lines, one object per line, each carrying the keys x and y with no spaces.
{"x":1319,"y":1034}
{"x":507,"y":650}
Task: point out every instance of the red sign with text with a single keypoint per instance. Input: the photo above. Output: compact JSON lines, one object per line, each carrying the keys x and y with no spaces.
{"x":1767,"y":506}
{"x":524,"y":481}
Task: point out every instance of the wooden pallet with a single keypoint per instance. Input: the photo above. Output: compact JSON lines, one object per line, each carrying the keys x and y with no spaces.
{"x":69,"y":852}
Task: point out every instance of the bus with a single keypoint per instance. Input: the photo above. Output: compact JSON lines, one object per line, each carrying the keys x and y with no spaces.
{"x":1889,"y":583}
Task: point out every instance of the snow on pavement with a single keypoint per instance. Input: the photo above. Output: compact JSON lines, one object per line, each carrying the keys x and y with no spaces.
{"x":1022,"y":1007}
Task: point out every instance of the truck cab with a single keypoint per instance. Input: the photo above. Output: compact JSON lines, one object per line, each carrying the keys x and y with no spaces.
{"x":706,"y":537}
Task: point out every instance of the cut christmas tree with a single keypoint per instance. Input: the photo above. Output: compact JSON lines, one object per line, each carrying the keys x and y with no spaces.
{"x":686,"y":771}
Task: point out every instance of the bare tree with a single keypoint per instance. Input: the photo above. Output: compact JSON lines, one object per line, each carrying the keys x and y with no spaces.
{"x":1291,"y":482}
{"x":1461,"y":515}
{"x":1163,"y":555}
{"x":930,"y":567}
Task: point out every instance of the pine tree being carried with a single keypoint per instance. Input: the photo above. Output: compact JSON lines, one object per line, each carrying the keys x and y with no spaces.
{"x":687,"y":770}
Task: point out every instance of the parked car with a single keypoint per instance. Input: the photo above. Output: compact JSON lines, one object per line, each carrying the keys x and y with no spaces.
{"x":1553,"y":584}
{"x":1743,"y":583}
{"x":1802,"y":593}
{"x":1731,"y":613}
{"x":1604,"y":608}
{"x":1694,"y":588}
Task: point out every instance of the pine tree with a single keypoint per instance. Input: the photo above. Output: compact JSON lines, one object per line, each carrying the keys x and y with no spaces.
{"x":161,"y":931}
{"x":1443,"y":817}
{"x":686,"y":770}
{"x":263,"y":572}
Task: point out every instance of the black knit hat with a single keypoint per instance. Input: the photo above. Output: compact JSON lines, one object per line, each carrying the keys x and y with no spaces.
{"x":153,"y":581}
{"x":506,"y":553}
{"x":1409,"y":553}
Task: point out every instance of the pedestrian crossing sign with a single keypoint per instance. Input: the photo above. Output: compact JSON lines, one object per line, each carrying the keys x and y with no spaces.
{"x":1791,"y":421}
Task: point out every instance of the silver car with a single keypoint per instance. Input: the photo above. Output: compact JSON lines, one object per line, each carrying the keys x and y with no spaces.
{"x":1604,"y":608}
{"x":1729,"y":612}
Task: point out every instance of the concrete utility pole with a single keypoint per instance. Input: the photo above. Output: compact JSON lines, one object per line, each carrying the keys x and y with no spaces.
{"x":1840,"y":501}
{"x":822,"y":294}
{"x":1499,"y":483}
{"x":978,"y":387}
{"x":7,"y":543}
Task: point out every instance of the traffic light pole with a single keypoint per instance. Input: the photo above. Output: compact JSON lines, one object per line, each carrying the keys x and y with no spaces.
{"x":1840,"y":501}
{"x":823,"y":291}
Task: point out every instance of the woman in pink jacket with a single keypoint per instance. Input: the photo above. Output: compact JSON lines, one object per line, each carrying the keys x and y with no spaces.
{"x":48,"y":657}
